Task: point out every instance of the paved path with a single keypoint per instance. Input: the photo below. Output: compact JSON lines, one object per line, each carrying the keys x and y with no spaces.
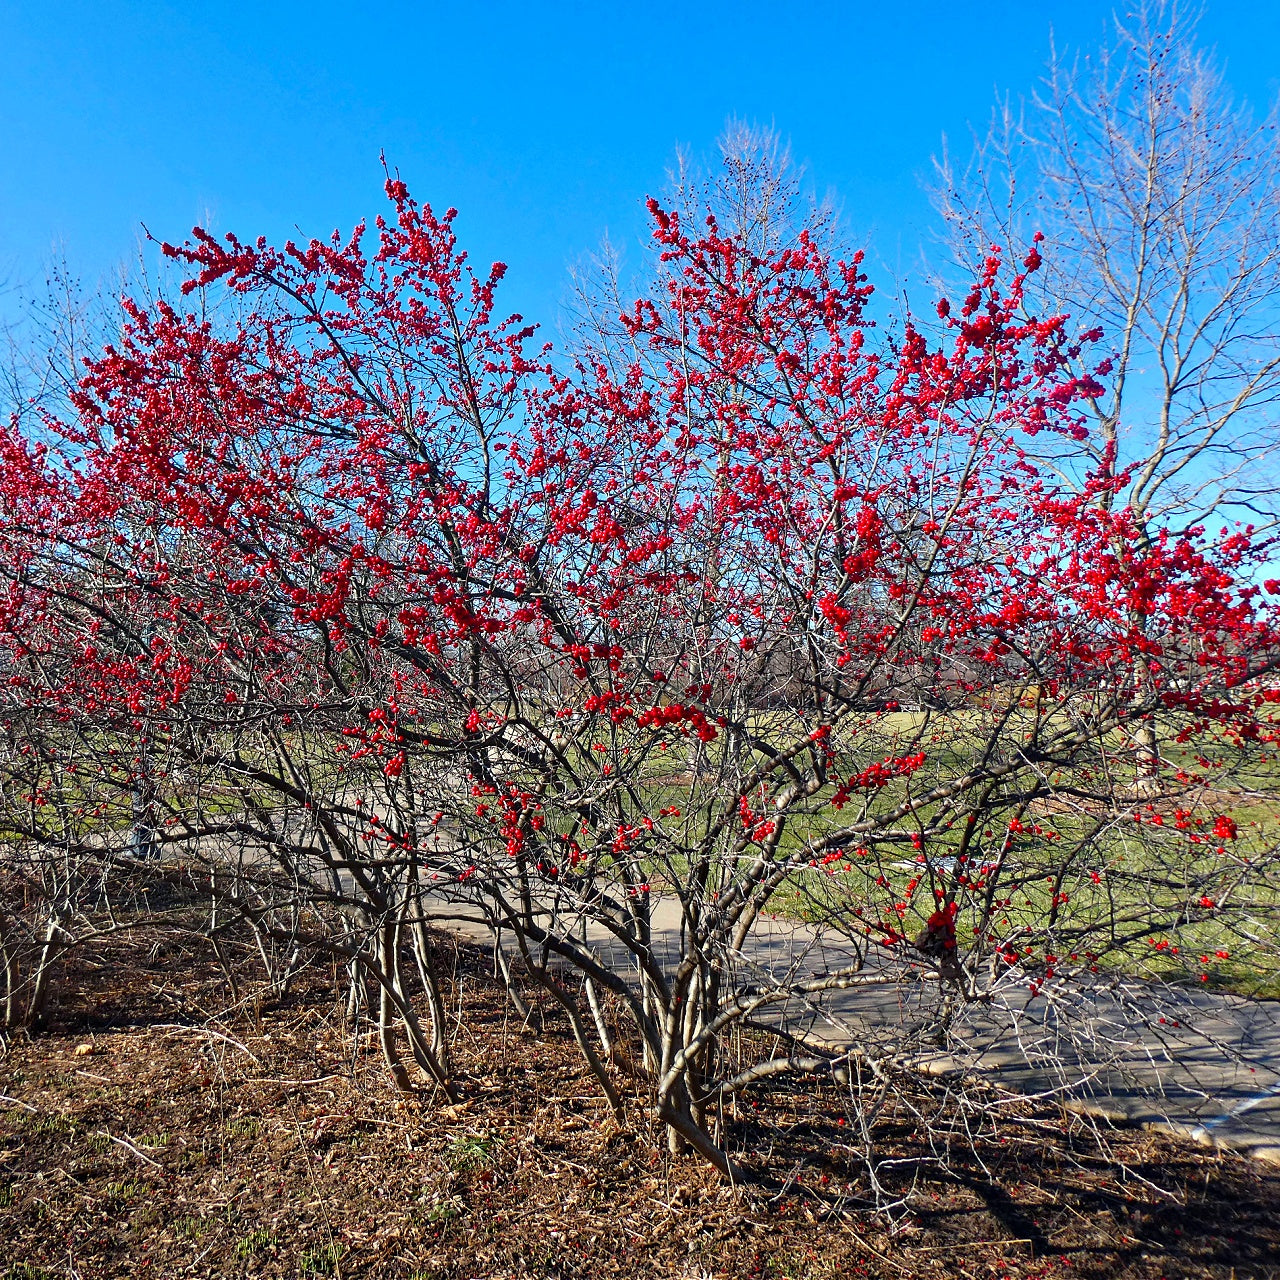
{"x":1196,"y":1063}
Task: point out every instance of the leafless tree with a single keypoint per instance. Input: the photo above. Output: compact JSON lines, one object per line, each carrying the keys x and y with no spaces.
{"x":1158,"y":195}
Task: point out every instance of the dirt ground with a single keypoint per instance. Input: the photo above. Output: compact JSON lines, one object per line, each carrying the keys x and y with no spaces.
{"x":153,"y":1131}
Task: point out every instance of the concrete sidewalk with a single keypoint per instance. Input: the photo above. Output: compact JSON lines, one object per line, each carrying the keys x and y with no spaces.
{"x":1195,"y":1063}
{"x":1192,"y":1062}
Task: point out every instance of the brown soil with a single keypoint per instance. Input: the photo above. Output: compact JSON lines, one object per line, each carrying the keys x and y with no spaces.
{"x":153,"y":1132}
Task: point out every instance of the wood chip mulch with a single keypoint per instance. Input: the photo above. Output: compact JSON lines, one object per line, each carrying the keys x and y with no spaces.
{"x":152,"y":1131}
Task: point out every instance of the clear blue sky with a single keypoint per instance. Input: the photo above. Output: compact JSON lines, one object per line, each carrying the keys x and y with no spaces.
{"x":543,"y":123}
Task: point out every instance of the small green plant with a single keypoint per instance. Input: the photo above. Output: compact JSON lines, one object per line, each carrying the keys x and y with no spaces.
{"x":469,"y":1152}
{"x":28,"y":1271}
{"x":122,"y":1192}
{"x":793,"y":1264}
{"x":244,"y":1127}
{"x":262,"y":1238}
{"x":6,"y":1195}
{"x":191,"y":1226}
{"x":320,"y":1260}
{"x":446,"y":1211}
{"x":98,"y":1143}
{"x":54,"y":1126}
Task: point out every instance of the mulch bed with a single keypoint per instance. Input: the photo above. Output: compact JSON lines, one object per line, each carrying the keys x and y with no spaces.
{"x":153,"y":1131}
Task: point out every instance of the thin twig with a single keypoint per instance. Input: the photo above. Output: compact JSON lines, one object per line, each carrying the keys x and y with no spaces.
{"x":128,"y":1146}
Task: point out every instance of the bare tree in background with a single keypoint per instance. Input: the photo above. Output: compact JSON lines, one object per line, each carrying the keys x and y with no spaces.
{"x":1159,"y":199}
